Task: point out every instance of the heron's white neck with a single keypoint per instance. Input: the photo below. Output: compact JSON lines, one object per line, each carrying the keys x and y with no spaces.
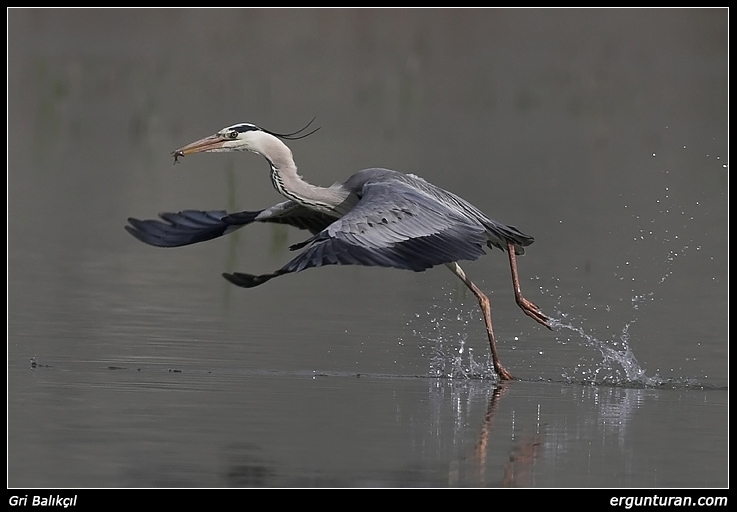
{"x":287,"y":182}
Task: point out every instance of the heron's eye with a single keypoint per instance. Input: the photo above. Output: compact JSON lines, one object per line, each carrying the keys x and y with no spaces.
{"x":233,"y":134}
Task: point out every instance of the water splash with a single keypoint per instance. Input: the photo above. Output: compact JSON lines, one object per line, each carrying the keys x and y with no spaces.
{"x":458,"y":362}
{"x":618,"y":365}
{"x":444,"y":330}
{"x":655,"y":232}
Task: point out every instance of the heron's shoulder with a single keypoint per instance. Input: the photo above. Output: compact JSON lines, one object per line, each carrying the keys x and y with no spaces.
{"x":378,"y":175}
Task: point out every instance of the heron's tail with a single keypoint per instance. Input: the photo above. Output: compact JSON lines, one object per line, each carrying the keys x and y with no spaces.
{"x":500,"y":234}
{"x":188,"y":227}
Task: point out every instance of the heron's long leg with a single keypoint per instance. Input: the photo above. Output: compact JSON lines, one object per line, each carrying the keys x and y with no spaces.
{"x":528,"y":307}
{"x":486,"y":309}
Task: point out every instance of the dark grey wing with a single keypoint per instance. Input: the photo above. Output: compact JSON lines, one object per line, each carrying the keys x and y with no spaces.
{"x":498,"y":234}
{"x":185,"y":228}
{"x":392,"y":225}
{"x":193,"y":226}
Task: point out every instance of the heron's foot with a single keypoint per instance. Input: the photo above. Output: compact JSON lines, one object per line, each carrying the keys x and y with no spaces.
{"x":534,"y":312}
{"x":502,"y":372}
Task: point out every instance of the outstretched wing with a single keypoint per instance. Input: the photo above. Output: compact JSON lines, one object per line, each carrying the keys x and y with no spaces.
{"x":185,"y":227}
{"x":193,"y":226}
{"x":392,"y":225}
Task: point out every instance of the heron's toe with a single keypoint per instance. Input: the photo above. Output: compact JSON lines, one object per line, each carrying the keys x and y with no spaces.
{"x":503,"y":373}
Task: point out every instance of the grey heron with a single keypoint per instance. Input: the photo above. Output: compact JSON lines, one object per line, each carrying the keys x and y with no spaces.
{"x":377,"y":217}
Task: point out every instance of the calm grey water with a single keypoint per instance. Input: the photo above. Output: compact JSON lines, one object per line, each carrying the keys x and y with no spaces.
{"x":603,"y":133}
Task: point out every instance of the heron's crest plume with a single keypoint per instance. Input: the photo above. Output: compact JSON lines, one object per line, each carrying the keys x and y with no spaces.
{"x":299,"y":134}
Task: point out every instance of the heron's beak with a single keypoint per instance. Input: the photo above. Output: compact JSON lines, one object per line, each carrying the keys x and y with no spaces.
{"x":211,"y":143}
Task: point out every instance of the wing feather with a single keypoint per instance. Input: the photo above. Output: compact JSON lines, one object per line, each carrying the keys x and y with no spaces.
{"x":193,"y":226}
{"x":394,"y":225}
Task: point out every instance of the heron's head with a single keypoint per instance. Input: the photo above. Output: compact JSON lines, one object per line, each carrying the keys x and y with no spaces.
{"x":240,"y":137}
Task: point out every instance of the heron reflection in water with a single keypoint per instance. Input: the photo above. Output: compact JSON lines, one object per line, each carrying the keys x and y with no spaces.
{"x":377,"y":217}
